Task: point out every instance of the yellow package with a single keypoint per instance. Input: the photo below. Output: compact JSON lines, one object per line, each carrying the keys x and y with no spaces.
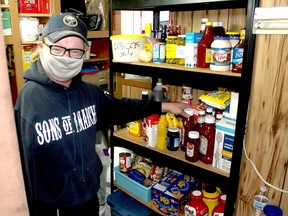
{"x":219,"y":98}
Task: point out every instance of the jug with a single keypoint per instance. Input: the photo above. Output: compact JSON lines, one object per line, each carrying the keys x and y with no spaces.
{"x":160,"y":93}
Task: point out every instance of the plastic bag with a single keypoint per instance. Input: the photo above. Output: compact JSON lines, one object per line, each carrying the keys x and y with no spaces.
{"x":219,"y":98}
{"x":101,"y":8}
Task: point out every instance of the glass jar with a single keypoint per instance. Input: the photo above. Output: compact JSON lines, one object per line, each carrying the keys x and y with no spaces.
{"x":180,"y":50}
{"x":173,"y":139}
{"x":171,"y":49}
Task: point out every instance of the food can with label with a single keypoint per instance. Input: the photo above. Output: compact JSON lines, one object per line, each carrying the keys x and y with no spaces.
{"x":125,"y":163}
{"x":159,"y":50}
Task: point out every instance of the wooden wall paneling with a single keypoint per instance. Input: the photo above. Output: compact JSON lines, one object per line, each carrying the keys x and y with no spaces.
{"x":266,"y":139}
{"x":236,"y":19}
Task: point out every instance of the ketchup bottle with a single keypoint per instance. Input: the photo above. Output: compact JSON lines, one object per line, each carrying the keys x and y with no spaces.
{"x":200,"y":121}
{"x":207,"y":140}
{"x":193,"y":145}
{"x":204,"y":47}
{"x":196,"y":206}
{"x":188,"y":125}
{"x":220,"y":208}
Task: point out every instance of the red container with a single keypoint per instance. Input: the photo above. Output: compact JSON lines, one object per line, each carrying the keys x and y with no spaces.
{"x":28,"y":6}
{"x":44,"y":6}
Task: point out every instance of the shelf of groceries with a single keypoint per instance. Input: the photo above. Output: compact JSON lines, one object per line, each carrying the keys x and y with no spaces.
{"x":179,"y":154}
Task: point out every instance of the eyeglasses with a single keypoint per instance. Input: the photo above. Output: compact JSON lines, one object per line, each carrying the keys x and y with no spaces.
{"x":60,"y":51}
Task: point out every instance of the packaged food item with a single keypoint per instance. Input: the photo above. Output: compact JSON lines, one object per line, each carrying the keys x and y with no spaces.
{"x":171,"y":49}
{"x":135,"y":128}
{"x":180,"y":50}
{"x":173,"y":139}
{"x":219,"y":98}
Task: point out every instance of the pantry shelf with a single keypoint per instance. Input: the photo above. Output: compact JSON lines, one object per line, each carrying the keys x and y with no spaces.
{"x":179,"y":155}
{"x":202,"y":78}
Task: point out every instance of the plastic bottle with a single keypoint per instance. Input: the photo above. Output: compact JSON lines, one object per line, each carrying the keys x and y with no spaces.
{"x":203,"y":24}
{"x":159,"y":92}
{"x":195,"y":206}
{"x":162,"y":133}
{"x":220,"y":208}
{"x":200,"y":121}
{"x":234,"y":38}
{"x":204,"y":47}
{"x":207,"y":140}
{"x":164,"y":34}
{"x":193,"y":145}
{"x":218,"y":29}
{"x":188,"y":125}
{"x":238,"y":52}
{"x":260,"y":201}
{"x":210,"y":197}
{"x":271,"y":210}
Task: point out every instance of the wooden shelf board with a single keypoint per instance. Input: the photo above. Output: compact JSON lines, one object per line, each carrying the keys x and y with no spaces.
{"x":34,"y":15}
{"x":179,"y":155}
{"x":148,"y":204}
{"x":97,"y":34}
{"x":182,"y":68}
{"x":4,"y":6}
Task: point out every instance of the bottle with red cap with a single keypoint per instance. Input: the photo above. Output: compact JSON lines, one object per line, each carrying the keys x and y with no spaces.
{"x":196,"y":207}
{"x":220,"y":208}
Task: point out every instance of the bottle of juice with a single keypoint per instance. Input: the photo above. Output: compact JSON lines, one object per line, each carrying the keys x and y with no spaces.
{"x":162,"y":133}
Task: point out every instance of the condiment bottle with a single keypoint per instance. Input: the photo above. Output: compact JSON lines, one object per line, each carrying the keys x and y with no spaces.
{"x":234,"y":38}
{"x":209,"y":111}
{"x":180,"y":50}
{"x":210,"y":197}
{"x":196,"y":206}
{"x":204,"y":47}
{"x":220,"y":208}
{"x":220,"y":54}
{"x":238,"y":52}
{"x":193,"y":145}
{"x":218,"y":29}
{"x":164,"y":34}
{"x":188,"y":125}
{"x":162,"y":133}
{"x":203,"y":24}
{"x":171,"y":49}
{"x":200,"y":121}
{"x":207,"y":140}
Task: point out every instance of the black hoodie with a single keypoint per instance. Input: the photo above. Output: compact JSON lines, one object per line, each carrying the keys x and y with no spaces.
{"x":56,"y":129}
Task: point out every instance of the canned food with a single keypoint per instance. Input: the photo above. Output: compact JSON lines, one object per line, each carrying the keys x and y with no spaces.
{"x":159,"y":52}
{"x":125,"y":163}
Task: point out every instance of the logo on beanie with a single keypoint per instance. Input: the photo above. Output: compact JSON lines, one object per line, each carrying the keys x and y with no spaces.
{"x":70,"y":21}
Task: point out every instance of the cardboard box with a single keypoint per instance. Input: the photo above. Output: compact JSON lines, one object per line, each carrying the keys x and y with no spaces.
{"x":140,"y":191}
{"x":224,"y":143}
{"x":43,"y":6}
{"x":170,"y":194}
{"x":192,"y":40}
{"x":6,"y":20}
{"x":28,"y":6}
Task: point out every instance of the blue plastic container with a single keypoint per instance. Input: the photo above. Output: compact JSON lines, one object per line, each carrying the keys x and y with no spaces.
{"x":140,"y":191}
{"x":122,"y":204}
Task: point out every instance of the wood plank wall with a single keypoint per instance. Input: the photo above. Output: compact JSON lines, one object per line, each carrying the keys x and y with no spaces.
{"x":266,"y":139}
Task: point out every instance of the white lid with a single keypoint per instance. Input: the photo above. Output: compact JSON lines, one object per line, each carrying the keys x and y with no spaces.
{"x":263,"y":189}
{"x":173,"y":129}
{"x":189,"y":111}
{"x":193,"y":134}
{"x":144,"y":92}
{"x":223,"y":197}
{"x":201,"y":112}
{"x":159,"y":83}
{"x":204,"y":20}
{"x":196,"y":193}
{"x":209,"y":110}
{"x":219,"y":115}
{"x":182,"y":36}
{"x":209,"y":119}
{"x":215,"y":24}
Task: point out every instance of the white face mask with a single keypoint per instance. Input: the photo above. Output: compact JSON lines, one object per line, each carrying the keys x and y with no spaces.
{"x":60,"y":68}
